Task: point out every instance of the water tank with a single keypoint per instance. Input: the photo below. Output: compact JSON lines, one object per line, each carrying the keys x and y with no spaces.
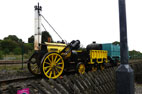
{"x":94,"y":46}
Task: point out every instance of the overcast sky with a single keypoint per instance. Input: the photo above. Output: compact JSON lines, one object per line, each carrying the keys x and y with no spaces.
{"x":86,"y":20}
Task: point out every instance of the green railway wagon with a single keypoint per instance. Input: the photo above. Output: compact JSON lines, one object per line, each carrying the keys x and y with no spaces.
{"x":113,"y":52}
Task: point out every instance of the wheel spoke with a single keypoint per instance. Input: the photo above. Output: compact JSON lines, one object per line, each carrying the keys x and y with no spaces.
{"x":56,"y":70}
{"x":47,"y":63}
{"x":49,"y":59}
{"x":50,"y":74}
{"x":34,"y":68}
{"x":55,"y":58}
{"x":54,"y":73}
{"x":58,"y":67}
{"x":48,"y":70}
{"x":59,"y":63}
{"x":47,"y":67}
{"x":58,"y":60}
{"x":52,"y":58}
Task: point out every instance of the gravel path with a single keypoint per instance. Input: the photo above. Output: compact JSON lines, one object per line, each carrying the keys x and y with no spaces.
{"x":138,"y":89}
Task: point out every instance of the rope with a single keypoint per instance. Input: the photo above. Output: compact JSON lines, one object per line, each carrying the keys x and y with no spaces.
{"x":51,"y":27}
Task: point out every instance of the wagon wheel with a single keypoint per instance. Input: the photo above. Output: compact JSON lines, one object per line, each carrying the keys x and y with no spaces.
{"x":33,"y":67}
{"x":102,"y":67}
{"x":81,"y":68}
{"x":94,"y":68}
{"x":52,"y":65}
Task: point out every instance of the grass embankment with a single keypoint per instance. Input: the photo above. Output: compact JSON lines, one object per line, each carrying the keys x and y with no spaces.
{"x":16,"y":67}
{"x":16,"y":57}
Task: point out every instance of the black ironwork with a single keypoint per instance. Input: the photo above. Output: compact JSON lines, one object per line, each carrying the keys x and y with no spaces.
{"x":124,"y":73}
{"x":22,"y":55}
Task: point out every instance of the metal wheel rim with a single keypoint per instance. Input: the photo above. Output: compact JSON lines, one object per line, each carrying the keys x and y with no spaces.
{"x":94,"y":68}
{"x":102,"y":67}
{"x":53,"y":65}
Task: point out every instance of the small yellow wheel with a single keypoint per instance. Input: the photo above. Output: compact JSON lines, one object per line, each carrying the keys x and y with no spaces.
{"x":52,"y":65}
{"x":94,"y":68}
{"x":81,"y":68}
{"x":102,"y":67}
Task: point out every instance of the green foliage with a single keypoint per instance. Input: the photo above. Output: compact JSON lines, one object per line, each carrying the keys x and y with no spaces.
{"x":6,"y":51}
{"x":13,"y":38}
{"x":17,"y":51}
{"x":116,"y":42}
{"x":45,"y":36}
{"x":28,"y":47}
{"x":8,"y":45}
{"x":1,"y":56}
{"x":13,"y":45}
{"x":135,"y":54}
{"x":31,"y":39}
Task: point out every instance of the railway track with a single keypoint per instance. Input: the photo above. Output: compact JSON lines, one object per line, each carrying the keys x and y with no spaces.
{"x":11,"y":62}
{"x":10,"y":80}
{"x":19,"y":61}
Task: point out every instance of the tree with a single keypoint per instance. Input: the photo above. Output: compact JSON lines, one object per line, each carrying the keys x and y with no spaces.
{"x":28,"y":47}
{"x":13,"y":38}
{"x":1,"y":56}
{"x":8,"y":45}
{"x":31,"y":39}
{"x":45,"y":36}
{"x":135,"y":54}
{"x":116,"y":42}
{"x":17,"y":51}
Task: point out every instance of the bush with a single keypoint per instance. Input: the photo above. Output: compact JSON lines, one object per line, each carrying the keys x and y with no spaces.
{"x":1,"y":55}
{"x":17,"y":51}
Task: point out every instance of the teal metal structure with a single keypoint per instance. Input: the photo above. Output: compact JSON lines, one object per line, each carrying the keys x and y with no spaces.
{"x":113,"y":50}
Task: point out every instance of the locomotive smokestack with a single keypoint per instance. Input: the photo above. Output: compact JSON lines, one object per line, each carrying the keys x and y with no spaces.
{"x":37,"y":36}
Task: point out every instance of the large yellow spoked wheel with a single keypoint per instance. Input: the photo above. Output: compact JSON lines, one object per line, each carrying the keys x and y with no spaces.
{"x":102,"y":67}
{"x":81,"y":68}
{"x":52,"y":65}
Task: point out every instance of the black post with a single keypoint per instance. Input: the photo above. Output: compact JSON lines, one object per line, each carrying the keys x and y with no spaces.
{"x":124,"y":73}
{"x":22,"y":54}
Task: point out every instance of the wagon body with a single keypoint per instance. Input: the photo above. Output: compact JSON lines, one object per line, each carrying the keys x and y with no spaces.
{"x":113,"y":52}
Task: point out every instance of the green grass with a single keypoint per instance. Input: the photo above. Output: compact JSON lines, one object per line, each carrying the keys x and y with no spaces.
{"x":12,"y":66}
{"x":16,"y":57}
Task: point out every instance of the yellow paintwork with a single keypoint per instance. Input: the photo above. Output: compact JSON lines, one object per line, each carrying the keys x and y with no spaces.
{"x":55,"y":47}
{"x":94,"y":68}
{"x":53,"y":65}
{"x":99,"y":55}
{"x":81,"y":69}
{"x":79,"y":51}
{"x":102,"y":67}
